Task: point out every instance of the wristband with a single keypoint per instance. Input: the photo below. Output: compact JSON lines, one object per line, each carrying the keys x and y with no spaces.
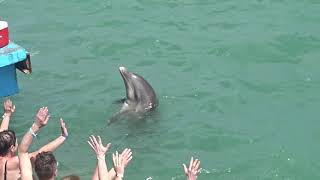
{"x":33,"y":134}
{"x":5,"y":115}
{"x":120,"y":175}
{"x":65,"y":136}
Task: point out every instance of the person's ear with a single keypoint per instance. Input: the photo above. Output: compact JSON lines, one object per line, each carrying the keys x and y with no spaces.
{"x":13,"y":148}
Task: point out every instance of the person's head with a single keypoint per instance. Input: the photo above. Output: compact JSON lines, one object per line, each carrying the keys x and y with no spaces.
{"x":46,"y":166}
{"x":8,"y":142}
{"x":71,"y":177}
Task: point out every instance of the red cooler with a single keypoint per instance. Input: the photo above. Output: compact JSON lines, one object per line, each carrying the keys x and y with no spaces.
{"x":4,"y":34}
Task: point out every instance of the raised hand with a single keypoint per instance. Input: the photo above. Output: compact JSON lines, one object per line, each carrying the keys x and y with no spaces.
{"x":98,"y":147}
{"x":193,"y":170}
{"x":42,"y":117}
{"x":118,"y":164}
{"x":127,"y":156}
{"x":64,"y":130}
{"x":8,"y":107}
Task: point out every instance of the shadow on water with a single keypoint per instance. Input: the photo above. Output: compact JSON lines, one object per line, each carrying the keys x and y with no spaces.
{"x":137,"y":121}
{"x":133,"y":130}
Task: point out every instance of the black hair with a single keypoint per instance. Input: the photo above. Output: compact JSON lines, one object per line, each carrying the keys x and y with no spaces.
{"x":7,"y":139}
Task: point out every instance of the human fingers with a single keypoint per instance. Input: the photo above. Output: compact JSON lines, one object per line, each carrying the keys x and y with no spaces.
{"x":39,"y":113}
{"x":62,"y":124}
{"x":99,"y":140}
{"x":39,"y":116}
{"x":91,"y":145}
{"x":125,"y":151}
{"x":194,"y":163}
{"x":185,"y":169}
{"x":121,"y":160}
{"x":93,"y":142}
{"x":190,"y":164}
{"x":7,"y":103}
{"x":127,"y":159}
{"x":126,"y":156}
{"x":47,"y":117}
{"x":197,"y":165}
{"x":118,"y":159}
{"x":44,"y":112}
{"x":13,"y":108}
{"x":114,"y":160}
{"x":108,"y":146}
{"x":64,"y":129}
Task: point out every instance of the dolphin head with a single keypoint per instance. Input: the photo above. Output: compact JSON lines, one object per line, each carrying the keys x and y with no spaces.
{"x":127,"y":76}
{"x":138,"y":89}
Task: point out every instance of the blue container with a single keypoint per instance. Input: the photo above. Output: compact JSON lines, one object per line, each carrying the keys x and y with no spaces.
{"x":9,"y":56}
{"x":8,"y":81}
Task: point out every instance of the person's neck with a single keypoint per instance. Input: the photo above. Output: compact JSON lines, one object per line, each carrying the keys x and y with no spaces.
{"x":8,"y":156}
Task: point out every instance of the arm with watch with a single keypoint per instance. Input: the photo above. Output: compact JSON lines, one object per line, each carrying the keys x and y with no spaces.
{"x":41,"y":120}
{"x":53,"y":145}
{"x":25,"y":166}
{"x":118,"y":165}
{"x":127,"y":156}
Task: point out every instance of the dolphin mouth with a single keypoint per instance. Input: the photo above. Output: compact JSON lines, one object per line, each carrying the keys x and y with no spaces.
{"x":124,"y":72}
{"x":126,"y":76}
{"x":121,"y":68}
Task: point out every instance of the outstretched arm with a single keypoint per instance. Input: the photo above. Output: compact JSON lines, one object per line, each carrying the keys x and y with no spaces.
{"x":193,"y":170}
{"x":100,"y":151}
{"x":9,"y":109}
{"x":53,"y":145}
{"x":127,"y":156}
{"x":24,"y":160}
{"x":95,"y":175}
{"x":118,"y":165}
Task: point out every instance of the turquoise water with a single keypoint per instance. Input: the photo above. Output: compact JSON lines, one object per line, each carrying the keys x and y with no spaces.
{"x":237,"y":81}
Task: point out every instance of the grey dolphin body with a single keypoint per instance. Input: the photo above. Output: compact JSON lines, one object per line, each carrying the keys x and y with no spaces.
{"x":141,"y":97}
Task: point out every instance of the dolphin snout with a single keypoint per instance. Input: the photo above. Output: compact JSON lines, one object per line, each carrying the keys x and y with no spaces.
{"x":121,"y":68}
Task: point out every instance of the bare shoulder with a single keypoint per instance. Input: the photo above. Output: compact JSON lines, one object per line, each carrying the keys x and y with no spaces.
{"x":13,"y":163}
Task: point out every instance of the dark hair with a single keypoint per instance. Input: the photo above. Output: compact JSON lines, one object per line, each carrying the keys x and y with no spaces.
{"x":7,"y":139}
{"x":45,"y":165}
{"x":71,"y":177}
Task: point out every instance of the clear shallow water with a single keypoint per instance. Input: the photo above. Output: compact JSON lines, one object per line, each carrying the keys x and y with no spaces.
{"x":237,"y":82}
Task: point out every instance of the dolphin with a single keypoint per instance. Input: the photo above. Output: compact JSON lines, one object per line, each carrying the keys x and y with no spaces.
{"x":140,"y":96}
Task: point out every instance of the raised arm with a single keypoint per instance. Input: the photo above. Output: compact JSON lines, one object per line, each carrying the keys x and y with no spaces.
{"x":9,"y":109}
{"x":118,"y":165}
{"x":100,"y":151}
{"x":95,"y":175}
{"x":41,"y":120}
{"x":53,"y":145}
{"x":193,"y":171}
{"x":127,"y":156}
